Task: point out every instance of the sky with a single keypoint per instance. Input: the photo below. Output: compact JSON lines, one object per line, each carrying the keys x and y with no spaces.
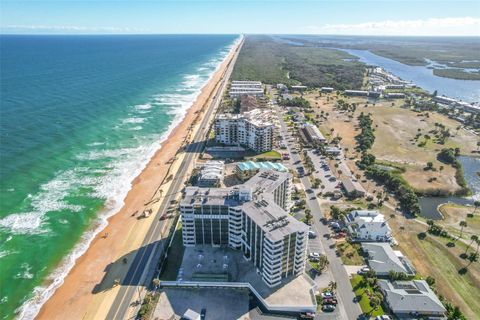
{"x":359,"y":17}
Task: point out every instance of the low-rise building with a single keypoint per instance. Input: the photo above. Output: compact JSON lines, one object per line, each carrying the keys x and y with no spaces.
{"x":211,"y":174}
{"x":357,"y":93}
{"x":326,"y":89}
{"x":298,"y":88}
{"x":411,"y":299}
{"x":368,"y":225}
{"x":253,"y":218}
{"x":242,"y":88}
{"x":382,"y":259}
{"x":352,"y":189}
{"x":246,"y":170}
{"x":395,"y":86}
{"x":394,"y":95}
{"x":282,"y":88}
{"x":444,"y":100}
{"x":253,"y":129}
{"x":312,"y":134}
{"x":334,"y":151}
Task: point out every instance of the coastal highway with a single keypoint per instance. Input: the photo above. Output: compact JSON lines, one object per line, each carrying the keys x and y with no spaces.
{"x":143,"y":267}
{"x":347,"y":308}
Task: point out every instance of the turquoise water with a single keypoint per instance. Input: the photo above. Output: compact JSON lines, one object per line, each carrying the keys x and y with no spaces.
{"x":80,"y":118}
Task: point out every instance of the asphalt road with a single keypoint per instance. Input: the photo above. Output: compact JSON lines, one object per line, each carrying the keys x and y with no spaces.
{"x":347,"y":308}
{"x":143,"y":267}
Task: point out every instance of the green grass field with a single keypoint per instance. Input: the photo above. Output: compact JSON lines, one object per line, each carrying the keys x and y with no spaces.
{"x":362,"y":290}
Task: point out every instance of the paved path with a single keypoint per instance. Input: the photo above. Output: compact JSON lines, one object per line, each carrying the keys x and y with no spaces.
{"x":348,"y":309}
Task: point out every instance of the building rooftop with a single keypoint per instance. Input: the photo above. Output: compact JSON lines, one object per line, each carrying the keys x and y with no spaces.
{"x":267,"y":165}
{"x":411,"y":296}
{"x":383,"y":259}
{"x":352,"y":186}
{"x":312,"y":132}
{"x":255,"y":197}
{"x":257,"y":117}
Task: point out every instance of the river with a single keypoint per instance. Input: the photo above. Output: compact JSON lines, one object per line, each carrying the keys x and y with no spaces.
{"x":467,"y":90}
{"x":471,"y":166}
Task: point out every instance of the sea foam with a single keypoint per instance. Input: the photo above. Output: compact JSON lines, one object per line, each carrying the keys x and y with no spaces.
{"x":114,"y":186}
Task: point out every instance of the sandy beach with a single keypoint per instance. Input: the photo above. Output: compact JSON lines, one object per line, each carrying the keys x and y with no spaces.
{"x":80,"y":297}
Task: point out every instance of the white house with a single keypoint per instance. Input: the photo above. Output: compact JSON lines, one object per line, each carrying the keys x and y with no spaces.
{"x":368,"y":225}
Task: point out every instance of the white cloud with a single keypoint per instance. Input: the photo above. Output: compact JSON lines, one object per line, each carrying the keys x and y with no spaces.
{"x":460,"y":26}
{"x":69,"y":29}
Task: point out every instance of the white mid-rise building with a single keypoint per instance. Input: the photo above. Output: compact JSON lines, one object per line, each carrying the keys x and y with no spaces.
{"x":243,"y":88}
{"x":252,"y":129}
{"x":369,"y":225}
{"x":253,"y":218}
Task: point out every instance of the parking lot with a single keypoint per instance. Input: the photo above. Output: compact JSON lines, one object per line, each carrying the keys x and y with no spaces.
{"x":323,"y":172}
{"x":218,"y":303}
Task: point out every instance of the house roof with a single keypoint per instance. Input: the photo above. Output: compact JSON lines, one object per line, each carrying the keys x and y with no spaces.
{"x":383,"y":259}
{"x":411,"y":296}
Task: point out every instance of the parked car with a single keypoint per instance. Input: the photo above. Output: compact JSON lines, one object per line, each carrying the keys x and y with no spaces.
{"x":314,"y":255}
{"x":203,"y":313}
{"x":312,"y":234}
{"x":327,"y":294}
{"x":383,"y":317}
{"x":328,"y":308}
{"x":364,"y":270}
{"x":330,"y":301}
{"x":307,"y":315}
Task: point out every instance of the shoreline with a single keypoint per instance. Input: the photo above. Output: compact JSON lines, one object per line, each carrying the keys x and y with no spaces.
{"x":71,"y":296}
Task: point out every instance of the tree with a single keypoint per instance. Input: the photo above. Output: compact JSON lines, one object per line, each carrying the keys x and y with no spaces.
{"x":476,"y":204}
{"x":332,"y":285}
{"x":463,"y":224}
{"x":429,"y":165}
{"x":472,"y":257}
{"x":308,"y":215}
{"x":473,"y":239}
{"x":430,"y":223}
{"x":430,"y":280}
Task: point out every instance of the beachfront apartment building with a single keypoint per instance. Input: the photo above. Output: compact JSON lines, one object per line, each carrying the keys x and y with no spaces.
{"x":243,"y":88}
{"x":252,"y":129}
{"x":252,"y":217}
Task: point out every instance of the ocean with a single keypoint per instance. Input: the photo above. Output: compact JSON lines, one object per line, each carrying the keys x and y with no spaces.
{"x":80,"y":116}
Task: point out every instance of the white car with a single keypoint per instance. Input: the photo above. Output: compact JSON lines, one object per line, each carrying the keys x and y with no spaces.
{"x":364,"y":270}
{"x":314,"y":255}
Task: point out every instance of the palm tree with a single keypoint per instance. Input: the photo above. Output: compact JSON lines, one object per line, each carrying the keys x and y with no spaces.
{"x":156,"y":283}
{"x":476,"y":204}
{"x":474,"y":238}
{"x":463,"y":224}
{"x":473,"y":257}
